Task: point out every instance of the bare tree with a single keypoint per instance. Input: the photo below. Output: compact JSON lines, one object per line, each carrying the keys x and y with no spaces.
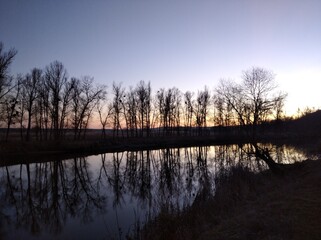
{"x":258,"y":87}
{"x":143,"y":91}
{"x":31,"y":85}
{"x":131,"y":112}
{"x":6,"y":59}
{"x":159,"y":103}
{"x":66,"y":97}
{"x":177,"y":109}
{"x":43,"y":109}
{"x":56,"y":78}
{"x":218,"y":110}
{"x":279,"y":105}
{"x":201,"y":108}
{"x":76,"y":103}
{"x":188,"y":111}
{"x":10,"y":105}
{"x":232,"y":95}
{"x":118,"y":99}
{"x":168,"y":104}
{"x":21,"y":109}
{"x":85,"y":97}
{"x":254,"y":99}
{"x":93,"y":94}
{"x":104,"y":111}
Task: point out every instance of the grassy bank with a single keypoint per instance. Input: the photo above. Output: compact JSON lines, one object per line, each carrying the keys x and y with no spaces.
{"x":250,"y":206}
{"x":15,"y":151}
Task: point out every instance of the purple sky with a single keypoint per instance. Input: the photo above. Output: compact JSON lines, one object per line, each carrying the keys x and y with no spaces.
{"x":187,"y":44}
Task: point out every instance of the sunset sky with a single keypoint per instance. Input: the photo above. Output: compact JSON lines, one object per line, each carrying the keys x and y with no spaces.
{"x":181,"y":43}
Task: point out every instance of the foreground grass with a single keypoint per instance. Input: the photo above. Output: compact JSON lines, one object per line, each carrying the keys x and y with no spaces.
{"x":250,"y":206}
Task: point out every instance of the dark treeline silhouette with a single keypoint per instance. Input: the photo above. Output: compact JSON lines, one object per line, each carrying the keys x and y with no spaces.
{"x":53,"y":106}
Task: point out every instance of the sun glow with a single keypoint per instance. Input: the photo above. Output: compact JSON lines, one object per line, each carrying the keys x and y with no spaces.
{"x":300,"y":88}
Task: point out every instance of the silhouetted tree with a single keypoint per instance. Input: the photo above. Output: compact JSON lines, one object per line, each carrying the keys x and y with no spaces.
{"x":258,"y":86}
{"x":189,"y":111}
{"x":21,"y":109}
{"x":160,"y":100}
{"x":131,"y":112}
{"x":143,"y":92}
{"x":10,"y":111}
{"x":219,"y":111}
{"x":75,"y":105}
{"x":279,"y":105}
{"x":231,"y":94}
{"x":177,"y":109}
{"x":201,"y":108}
{"x":104,"y":112}
{"x":30,"y":85}
{"x":118,"y":99}
{"x":56,"y":78}
{"x":168,"y":104}
{"x":93,"y":94}
{"x":253,"y":100}
{"x":6,"y":59}
{"x":43,"y":109}
{"x":85,"y":97}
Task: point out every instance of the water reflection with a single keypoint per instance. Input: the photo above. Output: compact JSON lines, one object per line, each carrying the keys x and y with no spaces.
{"x":107,"y":195}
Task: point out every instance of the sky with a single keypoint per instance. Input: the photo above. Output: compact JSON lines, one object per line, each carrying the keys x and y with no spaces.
{"x":171,"y":43}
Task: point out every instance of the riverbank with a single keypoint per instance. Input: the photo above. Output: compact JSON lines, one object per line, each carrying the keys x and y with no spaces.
{"x":16,"y":152}
{"x":250,"y":206}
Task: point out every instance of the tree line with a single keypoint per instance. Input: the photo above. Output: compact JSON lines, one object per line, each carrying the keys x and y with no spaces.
{"x":51,"y":105}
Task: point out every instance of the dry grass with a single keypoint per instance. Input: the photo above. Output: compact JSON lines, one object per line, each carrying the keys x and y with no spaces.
{"x":251,"y":206}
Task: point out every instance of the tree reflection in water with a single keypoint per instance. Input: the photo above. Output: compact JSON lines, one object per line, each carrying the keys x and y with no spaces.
{"x":44,"y":195}
{"x":42,"y":198}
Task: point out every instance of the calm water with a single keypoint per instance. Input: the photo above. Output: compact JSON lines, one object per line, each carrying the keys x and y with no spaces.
{"x":108,"y":196}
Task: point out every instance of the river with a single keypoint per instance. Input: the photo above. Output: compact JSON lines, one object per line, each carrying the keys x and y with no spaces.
{"x":112,"y":195}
